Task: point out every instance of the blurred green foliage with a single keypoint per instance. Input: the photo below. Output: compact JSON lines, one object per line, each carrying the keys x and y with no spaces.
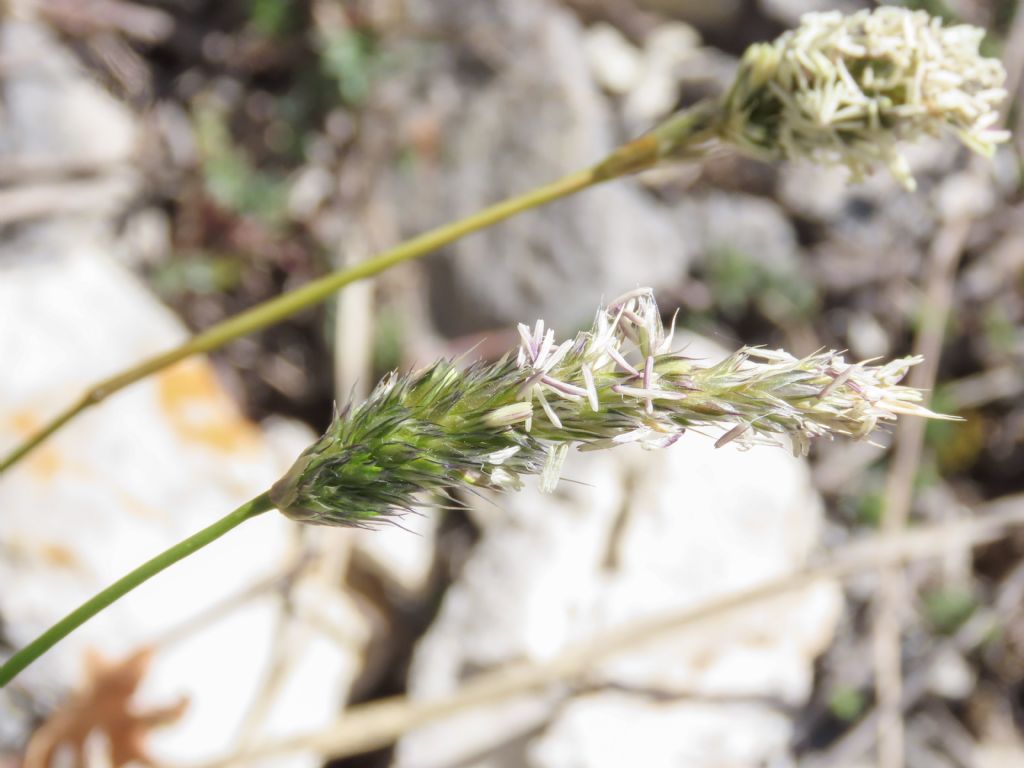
{"x":230,"y":178}
{"x":739,"y":281}
{"x":272,"y":18}
{"x":865,"y":505}
{"x":846,"y":703}
{"x":388,"y":340}
{"x":957,"y":445}
{"x":1000,"y":331}
{"x":349,"y":59}
{"x":869,"y":508}
{"x":198,"y":273}
{"x":948,"y":608}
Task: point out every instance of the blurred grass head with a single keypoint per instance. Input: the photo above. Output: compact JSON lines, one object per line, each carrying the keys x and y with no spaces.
{"x":845,"y":89}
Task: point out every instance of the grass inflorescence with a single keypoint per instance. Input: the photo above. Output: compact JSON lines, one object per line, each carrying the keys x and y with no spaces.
{"x":490,"y":424}
{"x":848,"y":88}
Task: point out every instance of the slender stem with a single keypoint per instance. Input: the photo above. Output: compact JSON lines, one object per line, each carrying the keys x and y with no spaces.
{"x":684,"y":135}
{"x":275,"y":310}
{"x":17,"y":663}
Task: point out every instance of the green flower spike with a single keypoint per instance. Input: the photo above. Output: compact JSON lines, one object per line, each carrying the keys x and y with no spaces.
{"x":490,"y":424}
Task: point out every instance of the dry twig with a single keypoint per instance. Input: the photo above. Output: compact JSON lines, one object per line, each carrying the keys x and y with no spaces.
{"x":944,"y":257}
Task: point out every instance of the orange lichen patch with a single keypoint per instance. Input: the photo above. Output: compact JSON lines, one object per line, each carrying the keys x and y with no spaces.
{"x":24,"y":422}
{"x":703,"y":659}
{"x":59,"y":555}
{"x":35,"y":552}
{"x":45,"y":463}
{"x":200,"y":411}
{"x":135,"y":506}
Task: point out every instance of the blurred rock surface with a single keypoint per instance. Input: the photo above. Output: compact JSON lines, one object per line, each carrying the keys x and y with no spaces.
{"x":789,"y":12}
{"x":711,"y":15}
{"x":511,"y":122}
{"x":710,"y":222}
{"x":65,"y":144}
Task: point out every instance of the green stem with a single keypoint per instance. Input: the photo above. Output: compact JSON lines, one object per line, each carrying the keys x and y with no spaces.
{"x":277,"y":309}
{"x":17,"y":663}
{"x":683,"y":135}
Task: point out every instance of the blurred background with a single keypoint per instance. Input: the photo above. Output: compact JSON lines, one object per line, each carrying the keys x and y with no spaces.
{"x":164,"y":165}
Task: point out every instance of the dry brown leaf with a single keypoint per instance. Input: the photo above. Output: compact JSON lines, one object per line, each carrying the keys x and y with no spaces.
{"x":103,"y":709}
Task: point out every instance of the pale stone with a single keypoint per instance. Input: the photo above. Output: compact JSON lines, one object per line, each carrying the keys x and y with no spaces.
{"x":999,"y":754}
{"x":53,"y":112}
{"x":530,"y":120}
{"x":814,"y":191}
{"x":667,"y":49}
{"x":148,"y":467}
{"x":610,"y":730}
{"x":964,"y":195}
{"x":868,"y":339}
{"x":752,"y":226}
{"x":308,"y":191}
{"x":615,"y":62}
{"x":138,"y":473}
{"x":65,"y":143}
{"x":950,"y":676}
{"x":401,"y":554}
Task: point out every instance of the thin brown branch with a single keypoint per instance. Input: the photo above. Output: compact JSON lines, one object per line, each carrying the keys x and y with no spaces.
{"x":943,"y":259}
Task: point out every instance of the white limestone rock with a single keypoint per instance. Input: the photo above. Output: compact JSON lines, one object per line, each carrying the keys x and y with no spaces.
{"x":66,"y":145}
{"x":668,"y":49}
{"x":402,"y":555}
{"x":53,"y":112}
{"x":138,"y":473}
{"x":615,"y":729}
{"x":616,"y":64}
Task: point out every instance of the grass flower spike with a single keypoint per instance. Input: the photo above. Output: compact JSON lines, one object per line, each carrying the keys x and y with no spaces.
{"x":846,"y":89}
{"x":620,"y":382}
